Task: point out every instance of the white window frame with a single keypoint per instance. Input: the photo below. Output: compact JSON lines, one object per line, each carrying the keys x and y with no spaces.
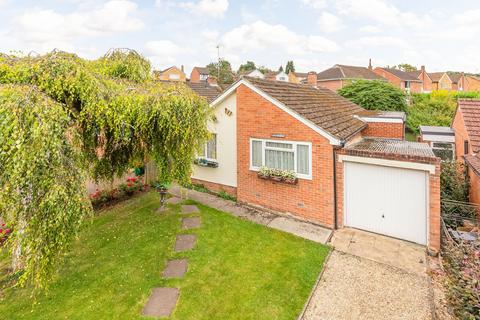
{"x":294,"y":146}
{"x":203,"y":76}
{"x":205,"y":152}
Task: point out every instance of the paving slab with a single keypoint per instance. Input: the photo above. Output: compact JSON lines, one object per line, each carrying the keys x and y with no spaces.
{"x":175,"y":269}
{"x":161,"y":303}
{"x":190,"y":208}
{"x":185,"y":242}
{"x":174,"y":200}
{"x":191,"y":223}
{"x":356,"y":288}
{"x":302,"y":229}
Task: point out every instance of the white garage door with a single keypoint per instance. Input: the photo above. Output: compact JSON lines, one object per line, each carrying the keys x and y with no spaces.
{"x":386,"y":200}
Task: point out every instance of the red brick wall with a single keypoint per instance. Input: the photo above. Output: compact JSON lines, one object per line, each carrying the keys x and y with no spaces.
{"x":434,"y":194}
{"x":460,"y":135}
{"x":384,"y":130}
{"x":474,"y":186}
{"x":415,"y":87}
{"x":216,"y":187}
{"x":309,"y":199}
{"x":195,"y":75}
{"x":390,"y":77}
{"x":333,"y":85}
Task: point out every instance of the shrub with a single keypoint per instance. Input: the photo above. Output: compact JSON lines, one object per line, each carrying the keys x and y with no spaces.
{"x":224,"y":195}
{"x":433,"y":109}
{"x":462,"y":267}
{"x":375,"y":95}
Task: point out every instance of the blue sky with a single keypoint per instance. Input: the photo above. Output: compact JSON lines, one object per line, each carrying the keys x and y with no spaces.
{"x":315,"y":34}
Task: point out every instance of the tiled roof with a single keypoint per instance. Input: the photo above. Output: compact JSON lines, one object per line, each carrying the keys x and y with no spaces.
{"x":470,"y":109}
{"x":326,"y":109}
{"x":436,"y":76}
{"x":400,"y":147}
{"x":415,"y":73}
{"x":339,"y":71}
{"x":473,"y":162}
{"x":454,"y":76}
{"x":203,"y":89}
{"x":402,"y":75}
{"x":301,"y":74}
{"x":202,"y":70}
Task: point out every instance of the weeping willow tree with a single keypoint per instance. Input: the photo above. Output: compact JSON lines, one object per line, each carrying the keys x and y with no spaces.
{"x":63,"y":120}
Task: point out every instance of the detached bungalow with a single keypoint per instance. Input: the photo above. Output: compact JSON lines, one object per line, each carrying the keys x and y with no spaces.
{"x":340,"y":75}
{"x":353,"y":167}
{"x":400,"y":79}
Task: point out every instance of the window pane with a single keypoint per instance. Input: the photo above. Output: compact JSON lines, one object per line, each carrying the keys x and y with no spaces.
{"x":256,"y":153}
{"x":442,"y":145}
{"x":279,"y":159}
{"x":279,"y":145}
{"x":212,"y":147}
{"x":303,"y":159}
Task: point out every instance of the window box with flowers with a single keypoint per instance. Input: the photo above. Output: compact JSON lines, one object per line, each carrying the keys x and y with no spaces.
{"x":278,"y":175}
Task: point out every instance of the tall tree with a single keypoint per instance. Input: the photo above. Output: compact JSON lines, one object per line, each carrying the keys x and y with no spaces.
{"x":222,"y":70}
{"x":290,"y":67}
{"x":264,"y":69}
{"x":280,"y":69}
{"x":375,"y":95}
{"x":63,"y":119}
{"x":406,"y":67}
{"x":247,"y":67}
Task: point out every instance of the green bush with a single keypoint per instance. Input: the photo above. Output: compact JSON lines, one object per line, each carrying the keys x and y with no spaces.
{"x":375,"y":95}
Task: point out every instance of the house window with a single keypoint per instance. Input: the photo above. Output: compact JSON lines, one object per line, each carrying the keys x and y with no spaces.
{"x":174,"y":76}
{"x":285,"y":155}
{"x":209,"y":151}
{"x":465,"y":147}
{"x":203,"y":76}
{"x":443,"y":150}
{"x":407,"y":84}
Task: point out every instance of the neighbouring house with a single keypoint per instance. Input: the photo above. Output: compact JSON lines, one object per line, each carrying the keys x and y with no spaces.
{"x":440,"y":81}
{"x":340,"y":75}
{"x":297,"y":77}
{"x":400,"y":79}
{"x":199,"y":74}
{"x":207,"y":88}
{"x":441,"y":139}
{"x":466,"y":124}
{"x":353,"y":166}
{"x":171,"y":74}
{"x":253,"y":73}
{"x":473,"y":83}
{"x":459,"y":82}
{"x":424,"y":77}
{"x":277,"y":76}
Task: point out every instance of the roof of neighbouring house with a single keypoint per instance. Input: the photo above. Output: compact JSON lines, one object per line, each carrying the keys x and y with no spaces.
{"x":470,"y":109}
{"x":455,"y":76}
{"x":436,"y":76}
{"x":415,"y":73}
{"x":473,"y":162}
{"x":324,"y":108}
{"x":301,"y":74}
{"x":393,"y":146}
{"x":202,"y":70}
{"x":340,"y":71}
{"x":402,"y":75}
{"x":205,"y":90}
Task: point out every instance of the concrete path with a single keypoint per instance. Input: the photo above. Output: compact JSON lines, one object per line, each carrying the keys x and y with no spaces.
{"x":191,"y":223}
{"x":299,"y":228}
{"x":185,"y":242}
{"x":161,"y":303}
{"x":175,"y":269}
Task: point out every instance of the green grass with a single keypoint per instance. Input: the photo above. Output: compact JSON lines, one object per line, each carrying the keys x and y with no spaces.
{"x":238,"y":270}
{"x":410,"y":136}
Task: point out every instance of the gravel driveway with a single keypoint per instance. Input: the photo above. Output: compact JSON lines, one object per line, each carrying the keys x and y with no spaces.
{"x":357,"y":288}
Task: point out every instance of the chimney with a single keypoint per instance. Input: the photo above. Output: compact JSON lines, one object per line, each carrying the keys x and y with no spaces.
{"x":312,"y":78}
{"x":370,"y":64}
{"x":183,"y":69}
{"x":211,"y":80}
{"x":422,"y":68}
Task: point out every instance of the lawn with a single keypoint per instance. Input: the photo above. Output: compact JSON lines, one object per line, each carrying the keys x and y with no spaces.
{"x":238,"y":269}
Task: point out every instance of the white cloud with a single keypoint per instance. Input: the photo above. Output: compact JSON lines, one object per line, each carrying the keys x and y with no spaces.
{"x":378,"y":41}
{"x":370,"y":29}
{"x":162,"y":51}
{"x":45,"y":29}
{"x":316,"y":4}
{"x":212,"y":8}
{"x":261,"y":36}
{"x":330,"y":23}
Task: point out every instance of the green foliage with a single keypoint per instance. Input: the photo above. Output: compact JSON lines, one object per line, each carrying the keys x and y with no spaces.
{"x":224,"y":195}
{"x":406,"y":67}
{"x":247,"y":67}
{"x":375,"y":95}
{"x":462,"y":267}
{"x":289,"y":67}
{"x":264,"y":69}
{"x":224,"y":71}
{"x":280,"y":69}
{"x":454,"y":181}
{"x":63,"y":118}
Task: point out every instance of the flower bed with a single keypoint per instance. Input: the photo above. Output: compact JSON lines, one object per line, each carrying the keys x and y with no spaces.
{"x":102,"y":198}
{"x":278,"y":175}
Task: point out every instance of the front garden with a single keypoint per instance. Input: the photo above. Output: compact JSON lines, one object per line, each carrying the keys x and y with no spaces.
{"x":238,"y":270}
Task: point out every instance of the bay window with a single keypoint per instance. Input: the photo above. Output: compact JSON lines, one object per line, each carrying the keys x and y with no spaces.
{"x":285,"y":155}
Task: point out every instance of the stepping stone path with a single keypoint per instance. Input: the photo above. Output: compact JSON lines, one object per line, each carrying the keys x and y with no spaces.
{"x":161,"y":303}
{"x":175,"y":269}
{"x":191,"y":223}
{"x":190,"y":209}
{"x":185,"y":242}
{"x":174,"y":200}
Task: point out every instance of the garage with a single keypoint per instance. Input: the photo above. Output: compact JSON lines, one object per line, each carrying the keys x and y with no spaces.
{"x":390,"y":187}
{"x":387,"y":200}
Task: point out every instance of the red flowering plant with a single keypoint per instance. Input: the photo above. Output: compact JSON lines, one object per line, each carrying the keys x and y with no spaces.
{"x":4,"y":233}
